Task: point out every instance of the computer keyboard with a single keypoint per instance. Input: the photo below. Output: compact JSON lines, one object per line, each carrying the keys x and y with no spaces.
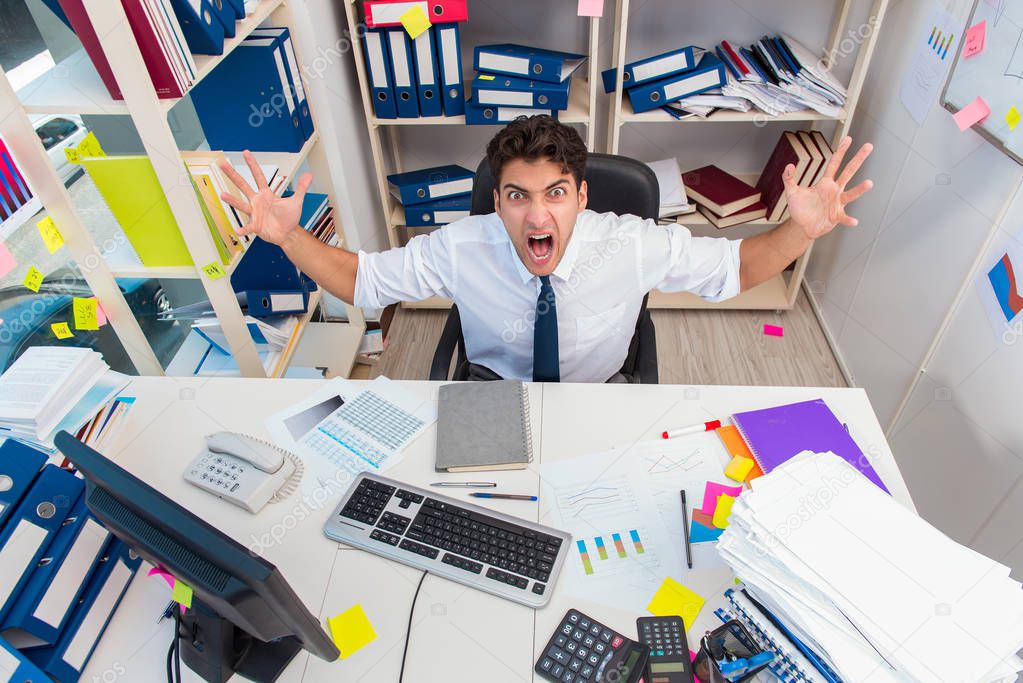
{"x":488,"y":550}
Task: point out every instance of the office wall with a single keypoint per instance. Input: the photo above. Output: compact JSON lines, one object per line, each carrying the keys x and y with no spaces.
{"x":886,"y":287}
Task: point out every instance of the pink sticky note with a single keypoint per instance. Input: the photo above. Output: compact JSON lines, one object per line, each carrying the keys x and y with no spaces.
{"x":975,"y":37}
{"x":7,"y":262}
{"x":972,"y":113}
{"x":591,"y":8}
{"x":101,"y":317}
{"x":164,"y":574}
{"x":711,"y":493}
{"x":774,"y":330}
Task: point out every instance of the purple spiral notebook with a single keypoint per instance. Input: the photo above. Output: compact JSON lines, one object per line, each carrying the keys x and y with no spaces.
{"x":776,"y":434}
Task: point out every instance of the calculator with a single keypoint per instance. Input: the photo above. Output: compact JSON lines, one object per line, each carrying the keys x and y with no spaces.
{"x":583,"y":650}
{"x":669,"y":649}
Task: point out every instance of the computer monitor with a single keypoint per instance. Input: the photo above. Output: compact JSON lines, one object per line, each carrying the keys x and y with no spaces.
{"x":244,"y":618}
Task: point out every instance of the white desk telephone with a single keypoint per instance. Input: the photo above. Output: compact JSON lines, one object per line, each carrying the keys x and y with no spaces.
{"x":244,"y":470}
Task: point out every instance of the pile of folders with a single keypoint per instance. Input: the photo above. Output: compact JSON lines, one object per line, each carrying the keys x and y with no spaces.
{"x":422,"y":76}
{"x":433,"y":196}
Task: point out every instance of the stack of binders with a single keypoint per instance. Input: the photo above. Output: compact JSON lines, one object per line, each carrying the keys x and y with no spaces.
{"x":433,"y":196}
{"x":410,"y":78}
{"x":64,"y":573}
{"x":655,"y":81}
{"x":518,"y":80}
{"x":254,"y":99}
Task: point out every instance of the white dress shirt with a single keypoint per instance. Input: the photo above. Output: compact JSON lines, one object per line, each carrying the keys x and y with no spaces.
{"x":610,"y":263}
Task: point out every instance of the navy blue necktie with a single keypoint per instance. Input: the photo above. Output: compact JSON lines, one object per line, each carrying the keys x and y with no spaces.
{"x":545,"y":335}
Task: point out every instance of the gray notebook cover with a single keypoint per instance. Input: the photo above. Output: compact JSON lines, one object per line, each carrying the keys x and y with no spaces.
{"x":482,"y":426}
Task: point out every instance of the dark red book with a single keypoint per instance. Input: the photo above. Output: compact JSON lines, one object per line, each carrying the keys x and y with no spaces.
{"x":750,"y":213}
{"x":719,"y":191}
{"x":75,"y":12}
{"x":789,"y":150}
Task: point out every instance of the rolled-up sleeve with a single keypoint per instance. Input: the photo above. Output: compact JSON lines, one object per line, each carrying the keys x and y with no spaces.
{"x":675,"y":261}
{"x":423,"y":268}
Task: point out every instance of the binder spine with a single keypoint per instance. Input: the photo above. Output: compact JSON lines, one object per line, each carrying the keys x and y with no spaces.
{"x":527,"y":428}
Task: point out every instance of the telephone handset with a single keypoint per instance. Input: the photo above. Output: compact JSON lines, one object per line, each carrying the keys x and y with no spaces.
{"x":244,"y":470}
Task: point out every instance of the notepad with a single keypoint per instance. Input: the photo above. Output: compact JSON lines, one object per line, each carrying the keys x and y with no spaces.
{"x":776,"y":434}
{"x":483,"y":426}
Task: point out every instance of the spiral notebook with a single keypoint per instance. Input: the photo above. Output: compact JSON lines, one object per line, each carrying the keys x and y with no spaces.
{"x":776,"y":434}
{"x":483,"y":426}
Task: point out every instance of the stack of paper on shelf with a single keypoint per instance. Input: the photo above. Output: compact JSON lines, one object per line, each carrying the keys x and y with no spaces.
{"x":868,"y":585}
{"x":673,"y":192}
{"x":722,"y":198}
{"x":52,"y":388}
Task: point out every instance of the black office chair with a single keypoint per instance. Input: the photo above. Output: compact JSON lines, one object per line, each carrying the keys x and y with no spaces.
{"x":617,"y":184}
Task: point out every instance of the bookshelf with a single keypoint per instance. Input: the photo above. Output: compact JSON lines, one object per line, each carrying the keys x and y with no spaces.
{"x":73,"y":86}
{"x":781,"y":291}
{"x":387,"y":157}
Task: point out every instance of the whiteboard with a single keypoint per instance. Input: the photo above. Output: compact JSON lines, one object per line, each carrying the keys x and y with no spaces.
{"x":996,"y":74}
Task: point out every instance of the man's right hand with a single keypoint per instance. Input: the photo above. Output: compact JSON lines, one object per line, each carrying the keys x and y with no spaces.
{"x":271,"y":217}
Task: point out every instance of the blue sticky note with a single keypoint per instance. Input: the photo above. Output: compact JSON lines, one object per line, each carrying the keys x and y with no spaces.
{"x":701,"y":534}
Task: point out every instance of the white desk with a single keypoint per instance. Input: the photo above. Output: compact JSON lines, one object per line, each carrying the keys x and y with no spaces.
{"x":458,"y":634}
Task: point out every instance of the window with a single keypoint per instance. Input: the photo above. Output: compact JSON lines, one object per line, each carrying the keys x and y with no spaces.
{"x":55,"y":130}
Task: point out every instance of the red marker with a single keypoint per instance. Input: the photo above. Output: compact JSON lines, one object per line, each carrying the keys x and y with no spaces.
{"x":695,"y":429}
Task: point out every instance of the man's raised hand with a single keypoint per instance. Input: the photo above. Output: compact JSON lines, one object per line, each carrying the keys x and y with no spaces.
{"x":272,"y":218}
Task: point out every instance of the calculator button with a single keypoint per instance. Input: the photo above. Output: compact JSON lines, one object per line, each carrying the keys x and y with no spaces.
{"x":576,"y":664}
{"x":589,"y":641}
{"x":586,"y":671}
{"x":547,"y":663}
{"x":571,"y":646}
{"x":577,"y":635}
{"x":593,"y":659}
{"x":559,"y":655}
{"x":568,"y":677}
{"x":617,"y":641}
{"x":605,"y":635}
{"x":557,"y":670}
{"x":567,"y":629}
{"x":573,"y":618}
{"x":600,"y":648}
{"x":560,"y":640}
{"x":584,"y":623}
{"x":595,"y":629}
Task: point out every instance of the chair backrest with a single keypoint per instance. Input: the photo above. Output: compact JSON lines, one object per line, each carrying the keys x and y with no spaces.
{"x":617,"y":184}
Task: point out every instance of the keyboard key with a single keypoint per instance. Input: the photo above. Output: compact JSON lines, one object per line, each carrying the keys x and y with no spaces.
{"x":538,"y":588}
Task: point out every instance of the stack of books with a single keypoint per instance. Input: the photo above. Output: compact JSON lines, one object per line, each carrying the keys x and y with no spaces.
{"x":53,"y":388}
{"x":433,"y":196}
{"x":419,"y":76}
{"x":868,"y":586}
{"x":318,"y":218}
{"x":654,"y":82}
{"x":809,"y":152}
{"x":519,"y":80}
{"x":722,"y":198}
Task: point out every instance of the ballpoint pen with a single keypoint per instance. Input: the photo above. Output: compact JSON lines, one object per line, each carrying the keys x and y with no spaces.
{"x":506,"y":496}
{"x":466,"y":484}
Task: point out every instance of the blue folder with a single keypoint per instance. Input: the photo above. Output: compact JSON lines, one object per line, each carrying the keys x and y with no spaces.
{"x":378,"y":69}
{"x":509,"y":91}
{"x":286,"y":52}
{"x":427,"y":81}
{"x":20,"y":464}
{"x":709,"y":74}
{"x":479,"y":115}
{"x":32,"y":527}
{"x":242,"y":103}
{"x":403,"y":71}
{"x":449,"y":67}
{"x":45,"y":604}
{"x":440,"y":212}
{"x":92,"y":615}
{"x":203,"y":32}
{"x":651,"y":68}
{"x":264,"y":270}
{"x":430,"y":184}
{"x":25,"y":671}
{"x":526,"y":62}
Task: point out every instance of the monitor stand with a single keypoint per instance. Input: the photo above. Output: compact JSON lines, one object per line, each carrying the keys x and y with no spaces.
{"x":216,"y":649}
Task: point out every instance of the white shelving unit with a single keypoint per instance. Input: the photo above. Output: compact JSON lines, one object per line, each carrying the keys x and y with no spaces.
{"x":781,"y":291}
{"x":73,"y":86}
{"x":582,"y":110}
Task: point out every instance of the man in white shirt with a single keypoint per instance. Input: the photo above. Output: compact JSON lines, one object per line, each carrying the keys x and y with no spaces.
{"x":547,"y":290}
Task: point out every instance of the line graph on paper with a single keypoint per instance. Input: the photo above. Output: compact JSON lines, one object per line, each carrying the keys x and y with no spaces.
{"x":607,"y":498}
{"x":673,"y":463}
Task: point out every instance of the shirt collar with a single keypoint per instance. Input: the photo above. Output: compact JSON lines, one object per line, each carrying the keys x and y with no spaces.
{"x":564,"y":269}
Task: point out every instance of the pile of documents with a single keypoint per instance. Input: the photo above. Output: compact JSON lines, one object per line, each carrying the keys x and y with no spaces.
{"x":272,"y":338}
{"x":51,"y":388}
{"x":779,"y":75}
{"x":868,"y":585}
{"x":673,"y":192}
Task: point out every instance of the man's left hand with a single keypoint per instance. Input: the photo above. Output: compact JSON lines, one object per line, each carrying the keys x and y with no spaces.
{"x":818,"y":209}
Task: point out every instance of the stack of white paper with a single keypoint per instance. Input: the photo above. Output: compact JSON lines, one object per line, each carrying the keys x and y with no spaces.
{"x":673,"y":192}
{"x":873,"y":588}
{"x":53,"y":388}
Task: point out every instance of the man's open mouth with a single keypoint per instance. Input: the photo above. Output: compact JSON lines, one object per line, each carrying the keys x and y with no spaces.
{"x":541,"y":246}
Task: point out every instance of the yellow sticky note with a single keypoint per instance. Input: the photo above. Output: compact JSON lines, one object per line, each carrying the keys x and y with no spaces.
{"x":72,"y":155}
{"x":33,"y":278}
{"x":415,"y":21}
{"x":1012,"y":117}
{"x":486,"y":77}
{"x":50,"y":234}
{"x":739,"y":468}
{"x":674,"y":599}
{"x":61,"y":330}
{"x":90,"y":147}
{"x":351,"y":631}
{"x":723,"y":510}
{"x":86,"y":317}
{"x":182,"y":593}
{"x":213,"y":271}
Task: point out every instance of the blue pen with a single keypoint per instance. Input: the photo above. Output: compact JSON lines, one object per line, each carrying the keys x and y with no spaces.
{"x":507,"y":496}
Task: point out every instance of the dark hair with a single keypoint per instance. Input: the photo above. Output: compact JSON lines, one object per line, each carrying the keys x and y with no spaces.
{"x":537,"y":137}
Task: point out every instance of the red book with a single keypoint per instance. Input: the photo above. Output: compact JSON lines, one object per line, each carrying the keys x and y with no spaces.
{"x":75,"y":11}
{"x":719,"y":191}
{"x":750,"y":213}
{"x":789,"y":150}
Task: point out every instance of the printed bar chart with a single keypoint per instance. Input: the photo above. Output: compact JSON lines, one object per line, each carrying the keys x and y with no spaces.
{"x":584,"y":556}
